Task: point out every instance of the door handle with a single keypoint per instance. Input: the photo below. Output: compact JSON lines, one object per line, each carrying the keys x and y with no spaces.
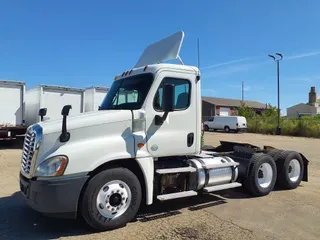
{"x":190,"y":139}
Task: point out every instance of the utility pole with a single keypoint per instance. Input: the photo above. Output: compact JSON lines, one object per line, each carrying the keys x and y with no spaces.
{"x":278,"y":130}
{"x":242,"y":92}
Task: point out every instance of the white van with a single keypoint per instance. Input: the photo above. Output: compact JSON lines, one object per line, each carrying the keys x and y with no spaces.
{"x":226,"y":123}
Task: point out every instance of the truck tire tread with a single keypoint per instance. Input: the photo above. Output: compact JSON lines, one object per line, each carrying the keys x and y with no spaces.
{"x":250,"y":183}
{"x":284,"y":159}
{"x":275,"y":153}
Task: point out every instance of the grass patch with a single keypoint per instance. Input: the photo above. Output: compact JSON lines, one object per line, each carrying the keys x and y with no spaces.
{"x":266,"y":123}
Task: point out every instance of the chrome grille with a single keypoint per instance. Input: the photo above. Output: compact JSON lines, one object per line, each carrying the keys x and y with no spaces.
{"x":31,"y":143}
{"x":28,"y":151}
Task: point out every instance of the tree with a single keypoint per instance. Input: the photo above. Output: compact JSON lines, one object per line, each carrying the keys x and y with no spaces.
{"x":246,"y":111}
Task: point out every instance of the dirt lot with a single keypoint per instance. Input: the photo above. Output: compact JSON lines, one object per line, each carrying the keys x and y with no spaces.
{"x":227,"y":215}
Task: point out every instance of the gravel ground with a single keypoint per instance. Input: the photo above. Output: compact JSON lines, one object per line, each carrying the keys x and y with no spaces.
{"x":226,"y":215}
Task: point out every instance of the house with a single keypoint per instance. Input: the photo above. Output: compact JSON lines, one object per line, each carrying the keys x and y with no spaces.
{"x":225,"y":107}
{"x":311,"y":108}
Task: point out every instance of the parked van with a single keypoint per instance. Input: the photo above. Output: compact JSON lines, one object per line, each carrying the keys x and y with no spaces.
{"x":226,"y":123}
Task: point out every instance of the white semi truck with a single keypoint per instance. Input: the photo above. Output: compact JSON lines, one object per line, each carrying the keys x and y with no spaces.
{"x":104,"y":165}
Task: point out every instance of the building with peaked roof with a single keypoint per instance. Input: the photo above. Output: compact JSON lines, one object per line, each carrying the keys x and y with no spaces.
{"x":225,"y":107}
{"x":311,"y":108}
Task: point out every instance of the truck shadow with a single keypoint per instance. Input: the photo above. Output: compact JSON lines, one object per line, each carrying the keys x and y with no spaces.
{"x":18,"y":221}
{"x":173,"y":207}
{"x":12,"y":144}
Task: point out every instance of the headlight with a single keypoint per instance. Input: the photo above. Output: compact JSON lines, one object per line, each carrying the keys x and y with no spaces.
{"x":54,"y":166}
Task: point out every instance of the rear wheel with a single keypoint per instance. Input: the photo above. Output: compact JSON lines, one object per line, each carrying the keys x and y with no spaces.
{"x":227,"y":129}
{"x":111,"y":199}
{"x":262,"y":175}
{"x":275,"y":153}
{"x":291,"y":169}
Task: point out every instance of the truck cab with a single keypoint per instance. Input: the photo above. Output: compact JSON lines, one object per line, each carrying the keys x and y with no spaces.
{"x":142,"y":146}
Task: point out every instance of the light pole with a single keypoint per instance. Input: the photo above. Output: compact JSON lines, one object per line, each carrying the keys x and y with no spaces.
{"x":278,"y":130}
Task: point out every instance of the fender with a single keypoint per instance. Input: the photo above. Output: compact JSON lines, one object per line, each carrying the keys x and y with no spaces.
{"x":145,"y":172}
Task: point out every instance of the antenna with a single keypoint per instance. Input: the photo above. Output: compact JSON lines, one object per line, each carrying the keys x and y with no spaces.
{"x":198,"y":45}
{"x":198,"y":50}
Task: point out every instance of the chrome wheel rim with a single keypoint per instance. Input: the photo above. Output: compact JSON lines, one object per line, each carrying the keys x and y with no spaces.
{"x":113,"y":199}
{"x":265,"y":175}
{"x":294,"y":170}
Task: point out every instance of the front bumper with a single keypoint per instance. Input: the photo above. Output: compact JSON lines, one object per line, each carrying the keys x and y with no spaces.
{"x":55,"y":197}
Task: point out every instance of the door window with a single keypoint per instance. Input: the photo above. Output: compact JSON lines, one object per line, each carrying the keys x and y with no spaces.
{"x":182,"y":93}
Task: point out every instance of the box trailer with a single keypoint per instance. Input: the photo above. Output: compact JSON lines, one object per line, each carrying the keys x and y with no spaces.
{"x":11,"y":109}
{"x":52,"y":98}
{"x":93,"y":97}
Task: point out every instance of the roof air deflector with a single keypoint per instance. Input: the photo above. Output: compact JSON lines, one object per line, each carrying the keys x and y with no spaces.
{"x":163,"y":50}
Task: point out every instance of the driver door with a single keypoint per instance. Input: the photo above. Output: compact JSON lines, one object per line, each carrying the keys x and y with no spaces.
{"x":177,"y":134}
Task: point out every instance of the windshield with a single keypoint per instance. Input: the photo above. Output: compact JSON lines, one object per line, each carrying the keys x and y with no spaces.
{"x":128,"y":93}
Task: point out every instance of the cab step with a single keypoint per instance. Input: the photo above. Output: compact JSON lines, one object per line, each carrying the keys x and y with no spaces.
{"x":170,"y":196}
{"x":222,"y":187}
{"x":175,"y":170}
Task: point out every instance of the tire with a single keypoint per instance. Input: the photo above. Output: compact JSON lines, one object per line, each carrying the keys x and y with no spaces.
{"x":275,"y":153}
{"x":206,"y":128}
{"x":121,"y":185}
{"x":290,"y":169}
{"x":227,"y":129}
{"x":262,"y":175}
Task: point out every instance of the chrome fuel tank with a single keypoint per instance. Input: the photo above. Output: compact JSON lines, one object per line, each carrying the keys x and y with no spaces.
{"x":213,"y":171}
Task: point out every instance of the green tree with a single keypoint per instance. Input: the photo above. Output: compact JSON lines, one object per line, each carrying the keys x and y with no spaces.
{"x":245,"y":111}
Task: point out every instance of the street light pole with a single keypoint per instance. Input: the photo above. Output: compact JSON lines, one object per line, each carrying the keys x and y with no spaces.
{"x":278,"y":130}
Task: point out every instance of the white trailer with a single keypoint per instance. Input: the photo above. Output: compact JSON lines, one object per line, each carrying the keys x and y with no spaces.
{"x":94,"y":97}
{"x":11,"y":109}
{"x":53,"y":98}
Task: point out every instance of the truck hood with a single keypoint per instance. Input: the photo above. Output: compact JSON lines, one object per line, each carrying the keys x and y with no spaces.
{"x":87,"y":119}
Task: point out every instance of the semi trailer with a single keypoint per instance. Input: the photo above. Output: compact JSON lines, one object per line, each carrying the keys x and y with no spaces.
{"x":102,"y":166}
{"x":12,"y":121}
{"x":52,"y":98}
{"x":93,"y":97}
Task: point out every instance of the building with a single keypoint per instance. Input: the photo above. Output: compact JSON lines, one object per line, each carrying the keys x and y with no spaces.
{"x":311,"y":108}
{"x":226,"y":107}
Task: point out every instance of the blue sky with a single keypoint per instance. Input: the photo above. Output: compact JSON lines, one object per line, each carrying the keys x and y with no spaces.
{"x":85,"y":43}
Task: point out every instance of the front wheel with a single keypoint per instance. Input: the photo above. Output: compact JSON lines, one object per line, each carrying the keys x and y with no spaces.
{"x":111,"y":199}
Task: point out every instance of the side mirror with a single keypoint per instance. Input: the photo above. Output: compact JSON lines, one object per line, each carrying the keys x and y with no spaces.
{"x":65,"y":135}
{"x":65,"y":110}
{"x":167,"y":103}
{"x":168,"y":98}
{"x":42,"y":113}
